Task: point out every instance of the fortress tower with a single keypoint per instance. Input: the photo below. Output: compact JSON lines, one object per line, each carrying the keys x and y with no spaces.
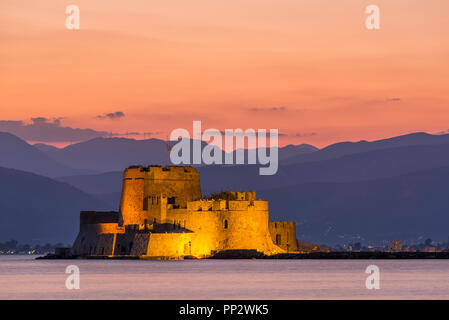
{"x":177,"y":184}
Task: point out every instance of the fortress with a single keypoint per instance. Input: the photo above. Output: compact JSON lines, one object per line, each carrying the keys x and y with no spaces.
{"x":163,"y":216}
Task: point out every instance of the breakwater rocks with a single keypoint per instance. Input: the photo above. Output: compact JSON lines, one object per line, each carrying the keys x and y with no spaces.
{"x":362,"y":255}
{"x":253,"y":254}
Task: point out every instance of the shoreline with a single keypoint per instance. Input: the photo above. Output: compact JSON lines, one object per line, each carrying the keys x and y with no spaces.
{"x":284,"y":256}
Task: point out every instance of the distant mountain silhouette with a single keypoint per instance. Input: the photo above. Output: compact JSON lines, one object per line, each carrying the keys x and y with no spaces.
{"x":112,"y":199}
{"x":16,"y":153}
{"x":101,"y":155}
{"x":45,"y":147}
{"x":109,"y":182}
{"x":355,"y":167}
{"x":111,"y":154}
{"x":292,"y":151}
{"x":346,"y":148}
{"x":38,"y":209}
{"x":388,"y":189}
{"x":405,"y":207}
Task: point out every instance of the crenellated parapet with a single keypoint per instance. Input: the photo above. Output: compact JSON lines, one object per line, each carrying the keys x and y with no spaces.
{"x":161,"y":173}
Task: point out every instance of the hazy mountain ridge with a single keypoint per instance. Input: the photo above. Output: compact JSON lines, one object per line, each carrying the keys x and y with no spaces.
{"x":355,"y":167}
{"x":108,"y":182}
{"x":404,"y":207}
{"x":392,"y":159}
{"x":389,"y":189}
{"x":17,"y":154}
{"x":111,"y":154}
{"x":340,"y":149}
{"x":34,"y":208}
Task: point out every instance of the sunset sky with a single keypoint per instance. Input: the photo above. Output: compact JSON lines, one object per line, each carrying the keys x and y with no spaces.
{"x":309,"y":68}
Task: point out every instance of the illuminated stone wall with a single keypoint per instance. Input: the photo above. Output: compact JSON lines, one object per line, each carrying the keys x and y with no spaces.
{"x":171,"y":245}
{"x":283,"y":235}
{"x":96,"y":238}
{"x":238,"y":225}
{"x":105,"y":244}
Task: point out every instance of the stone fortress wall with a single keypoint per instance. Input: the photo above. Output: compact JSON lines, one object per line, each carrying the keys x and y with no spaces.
{"x":283,"y":235}
{"x":162,"y":215}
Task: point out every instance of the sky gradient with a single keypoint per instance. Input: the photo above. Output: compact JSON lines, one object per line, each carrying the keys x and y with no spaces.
{"x":308,"y":68}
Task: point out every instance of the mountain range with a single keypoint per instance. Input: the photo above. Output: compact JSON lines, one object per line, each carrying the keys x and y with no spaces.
{"x":37,"y":209}
{"x":18,"y":154}
{"x":413,"y":207}
{"x":109,"y":154}
{"x":371,"y":191}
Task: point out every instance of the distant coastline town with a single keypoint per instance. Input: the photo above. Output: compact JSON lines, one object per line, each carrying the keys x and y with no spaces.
{"x":13,"y":247}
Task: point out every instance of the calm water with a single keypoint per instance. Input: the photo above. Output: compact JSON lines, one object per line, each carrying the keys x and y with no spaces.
{"x":22,"y":277}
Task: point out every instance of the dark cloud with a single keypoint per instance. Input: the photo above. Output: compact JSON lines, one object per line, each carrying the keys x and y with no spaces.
{"x":282,"y":134}
{"x":113,"y":115}
{"x":443,"y":132}
{"x":272,"y":109}
{"x":136,"y":133}
{"x":48,"y":130}
{"x":305,"y":134}
{"x":151,"y":133}
{"x":255,"y":133}
{"x":132,"y":133}
{"x":243,"y":133}
{"x":10,"y":123}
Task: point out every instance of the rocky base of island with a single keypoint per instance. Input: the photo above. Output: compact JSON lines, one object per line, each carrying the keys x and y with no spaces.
{"x":253,"y":254}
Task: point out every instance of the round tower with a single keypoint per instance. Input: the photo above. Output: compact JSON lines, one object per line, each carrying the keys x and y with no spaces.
{"x":131,"y":203}
{"x":178,"y":184}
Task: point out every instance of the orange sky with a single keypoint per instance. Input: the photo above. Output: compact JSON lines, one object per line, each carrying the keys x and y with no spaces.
{"x":307,"y":67}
